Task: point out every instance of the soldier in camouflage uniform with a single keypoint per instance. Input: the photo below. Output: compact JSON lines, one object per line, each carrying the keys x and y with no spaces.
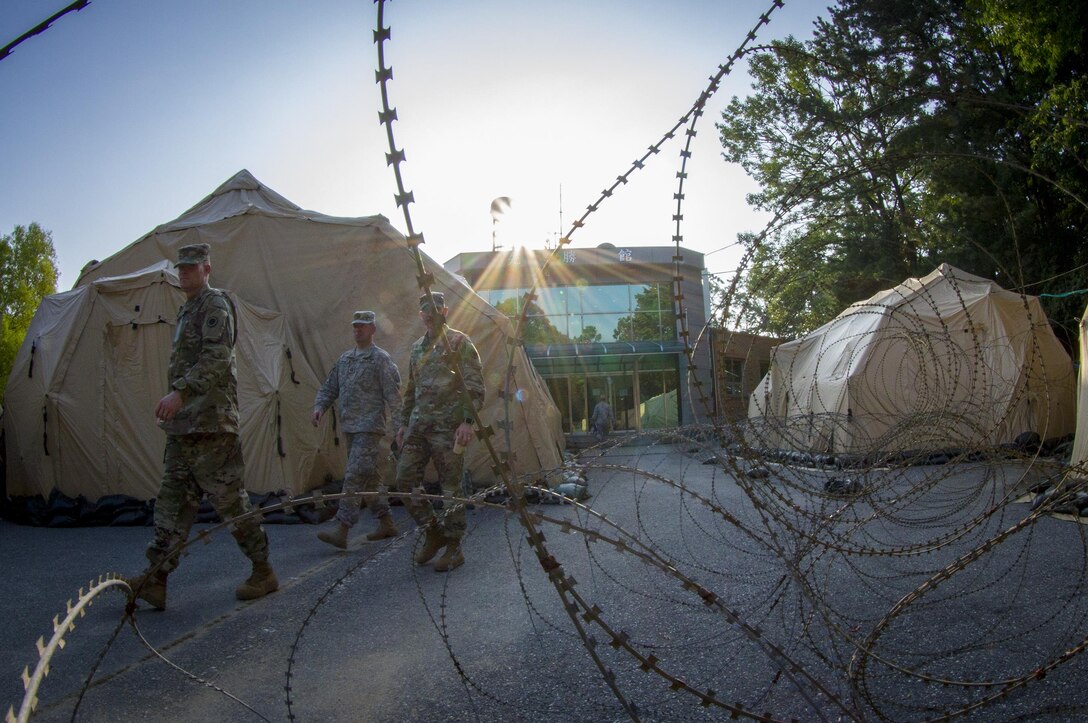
{"x":436,"y":425}
{"x":365,"y":381}
{"x":203,"y":452}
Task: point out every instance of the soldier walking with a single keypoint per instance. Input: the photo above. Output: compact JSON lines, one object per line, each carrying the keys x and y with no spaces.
{"x":600,"y":422}
{"x":366,"y":382}
{"x":203,"y":452}
{"x":436,"y":425}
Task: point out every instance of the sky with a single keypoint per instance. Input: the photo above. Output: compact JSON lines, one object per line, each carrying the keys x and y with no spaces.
{"x":125,"y":114}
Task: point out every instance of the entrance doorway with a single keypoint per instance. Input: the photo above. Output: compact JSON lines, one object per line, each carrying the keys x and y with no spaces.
{"x":643,"y":390}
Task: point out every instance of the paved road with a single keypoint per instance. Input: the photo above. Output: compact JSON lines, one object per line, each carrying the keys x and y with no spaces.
{"x":365,"y":635}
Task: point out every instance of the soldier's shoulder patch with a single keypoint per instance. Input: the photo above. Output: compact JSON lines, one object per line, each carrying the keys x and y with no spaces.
{"x":215,"y":324}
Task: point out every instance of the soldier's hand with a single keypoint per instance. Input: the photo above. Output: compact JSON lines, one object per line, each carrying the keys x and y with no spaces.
{"x":400,"y":436}
{"x":315,"y":418}
{"x":463,"y":436}
{"x":168,"y":406}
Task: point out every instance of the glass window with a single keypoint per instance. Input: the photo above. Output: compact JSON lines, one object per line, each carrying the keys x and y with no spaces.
{"x":665,"y":362}
{"x":541,"y":329}
{"x":573,"y":295}
{"x":659,"y":403}
{"x":560,"y":392}
{"x":604,"y":299}
{"x":732,"y":377}
{"x":505,"y":300}
{"x":579,"y":414}
{"x":649,"y":297}
{"x":641,"y":326}
{"x":604,"y":324}
{"x":552,"y":301}
{"x":582,"y":333}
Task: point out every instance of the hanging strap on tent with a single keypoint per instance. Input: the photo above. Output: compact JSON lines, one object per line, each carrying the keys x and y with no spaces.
{"x":291,"y":364}
{"x":279,"y":428}
{"x":45,"y":429}
{"x":33,"y":348}
{"x":335,"y":436}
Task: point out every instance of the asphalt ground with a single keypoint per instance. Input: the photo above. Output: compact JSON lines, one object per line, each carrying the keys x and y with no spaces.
{"x":800,"y":582}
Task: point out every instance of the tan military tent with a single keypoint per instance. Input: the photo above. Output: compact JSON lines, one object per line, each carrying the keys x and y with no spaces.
{"x":949,"y":360}
{"x":84,"y":386}
{"x":1080,"y":443}
{"x":80,"y":397}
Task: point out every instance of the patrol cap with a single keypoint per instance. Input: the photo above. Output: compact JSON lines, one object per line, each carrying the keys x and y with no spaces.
{"x":362,"y":317}
{"x":193,"y":254}
{"x":433,"y":302}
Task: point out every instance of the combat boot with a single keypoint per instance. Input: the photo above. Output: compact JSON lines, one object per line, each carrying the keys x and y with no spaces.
{"x":337,"y":537}
{"x":432,"y":543}
{"x":386,"y":529}
{"x":260,"y":583}
{"x":151,"y":588}
{"x":452,"y":558}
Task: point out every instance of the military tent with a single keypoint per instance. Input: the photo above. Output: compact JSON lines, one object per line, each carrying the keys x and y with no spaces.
{"x":1080,"y":442}
{"x":949,"y":360}
{"x":81,"y":395}
{"x":660,"y":411}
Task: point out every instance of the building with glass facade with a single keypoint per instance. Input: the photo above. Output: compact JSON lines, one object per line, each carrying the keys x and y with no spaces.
{"x":603,"y":325}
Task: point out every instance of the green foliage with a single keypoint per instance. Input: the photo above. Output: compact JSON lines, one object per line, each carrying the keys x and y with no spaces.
{"x":908,"y":133}
{"x":653,"y":319}
{"x":589,"y":335}
{"x":537,"y":328}
{"x":28,"y":272}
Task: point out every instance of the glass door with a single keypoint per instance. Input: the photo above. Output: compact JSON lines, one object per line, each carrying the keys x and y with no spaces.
{"x":619,"y":391}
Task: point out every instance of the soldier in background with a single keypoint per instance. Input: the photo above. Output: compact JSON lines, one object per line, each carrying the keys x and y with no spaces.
{"x":601,"y":421}
{"x":436,"y":425}
{"x":365,"y":381}
{"x":203,"y":451}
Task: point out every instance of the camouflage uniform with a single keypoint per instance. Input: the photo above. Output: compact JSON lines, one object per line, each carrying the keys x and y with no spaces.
{"x":365,"y":381}
{"x":600,"y":422}
{"x":203,"y":452}
{"x":433,"y":408}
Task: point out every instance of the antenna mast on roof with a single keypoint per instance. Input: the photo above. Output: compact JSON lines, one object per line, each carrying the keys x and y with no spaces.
{"x":560,"y":234}
{"x":499,"y":206}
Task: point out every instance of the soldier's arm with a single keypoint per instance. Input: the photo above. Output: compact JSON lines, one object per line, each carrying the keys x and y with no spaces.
{"x":217,"y":343}
{"x":329,"y":391}
{"x":408,"y":396}
{"x":472,"y":368}
{"x":391,"y":387}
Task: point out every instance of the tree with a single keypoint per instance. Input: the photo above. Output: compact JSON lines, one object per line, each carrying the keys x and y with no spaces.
{"x":646,"y":323}
{"x":901,"y":136}
{"x":589,"y":335}
{"x":28,"y":272}
{"x":537,"y":328}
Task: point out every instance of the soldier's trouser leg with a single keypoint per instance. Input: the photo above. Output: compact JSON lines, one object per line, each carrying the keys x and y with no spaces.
{"x":362,"y":475}
{"x":420,"y":448}
{"x":176,"y":504}
{"x":449,"y":467}
{"x":414,"y":456}
{"x":219,"y":473}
